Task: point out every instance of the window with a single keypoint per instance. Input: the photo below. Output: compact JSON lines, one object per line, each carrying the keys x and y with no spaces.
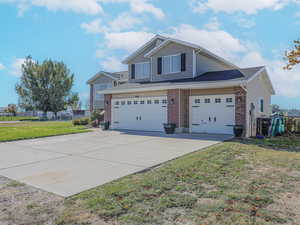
{"x":123,"y":103}
{"x":156,"y":101}
{"x":116,"y":103}
{"x":164,"y":101}
{"x":197,"y":101}
{"x":100,"y":87}
{"x":171,"y":64}
{"x":142,"y":70}
{"x":149,"y":102}
{"x":217,"y":100}
{"x":135,"y":102}
{"x":128,"y":102}
{"x":261,"y":105}
{"x":207,"y":100}
{"x":228,"y":100}
{"x":142,"y":102}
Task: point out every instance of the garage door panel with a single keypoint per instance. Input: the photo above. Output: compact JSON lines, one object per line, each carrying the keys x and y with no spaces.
{"x":212,"y":113}
{"x":145,"y":113}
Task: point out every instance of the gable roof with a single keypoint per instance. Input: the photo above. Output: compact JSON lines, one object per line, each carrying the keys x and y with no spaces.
{"x":194,"y":46}
{"x":113,"y":76}
{"x":142,"y":48}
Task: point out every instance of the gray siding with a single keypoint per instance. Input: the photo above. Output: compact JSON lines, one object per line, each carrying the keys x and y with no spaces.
{"x":172,"y":49}
{"x":140,"y":58}
{"x":207,"y":64}
{"x":99,"y":103}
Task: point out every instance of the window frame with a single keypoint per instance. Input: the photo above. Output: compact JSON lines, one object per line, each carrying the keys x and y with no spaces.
{"x":137,"y":75}
{"x":171,"y":63}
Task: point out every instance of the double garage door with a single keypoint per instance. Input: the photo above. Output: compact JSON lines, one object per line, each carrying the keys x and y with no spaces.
{"x":142,"y":113}
{"x":212,"y":114}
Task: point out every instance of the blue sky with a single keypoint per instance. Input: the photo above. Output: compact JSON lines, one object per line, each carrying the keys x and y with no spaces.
{"x":94,"y":35}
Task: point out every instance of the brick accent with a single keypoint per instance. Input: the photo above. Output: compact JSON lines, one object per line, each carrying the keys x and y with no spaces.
{"x":91,"y":97}
{"x":240,"y":106}
{"x":173,"y":106}
{"x":184,"y":108}
{"x":107,"y":108}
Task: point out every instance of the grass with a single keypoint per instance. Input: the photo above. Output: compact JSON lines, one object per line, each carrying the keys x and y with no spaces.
{"x":230,"y":183}
{"x":17,"y":118}
{"x":27,"y":130}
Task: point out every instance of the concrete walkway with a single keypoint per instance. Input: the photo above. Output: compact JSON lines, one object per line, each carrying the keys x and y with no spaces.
{"x":67,"y":165}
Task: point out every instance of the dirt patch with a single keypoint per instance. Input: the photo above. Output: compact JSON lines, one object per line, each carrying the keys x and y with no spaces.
{"x":22,"y":204}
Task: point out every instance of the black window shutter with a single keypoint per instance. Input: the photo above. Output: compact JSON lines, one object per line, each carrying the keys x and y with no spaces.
{"x":159,"y":65}
{"x":183,"y":62}
{"x":132,"y":71}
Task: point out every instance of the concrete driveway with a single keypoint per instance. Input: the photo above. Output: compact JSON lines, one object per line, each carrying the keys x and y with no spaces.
{"x":67,"y":165}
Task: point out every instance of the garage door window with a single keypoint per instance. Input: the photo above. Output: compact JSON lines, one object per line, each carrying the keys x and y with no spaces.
{"x":217,"y":100}
{"x":164,"y":101}
{"x":128,"y":102}
{"x":207,"y":100}
{"x":197,"y":101}
{"x":117,"y":103}
{"x":156,"y":101}
{"x":123,"y":103}
{"x":228,"y":100}
{"x":149,"y":102}
{"x":135,"y":102}
{"x":142,"y":102}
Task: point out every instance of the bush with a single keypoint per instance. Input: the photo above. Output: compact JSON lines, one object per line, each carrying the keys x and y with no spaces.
{"x":82,"y":121}
{"x":97,"y":115}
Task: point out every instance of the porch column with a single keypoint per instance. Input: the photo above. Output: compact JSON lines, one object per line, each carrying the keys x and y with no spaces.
{"x":174,"y":107}
{"x":240,"y":107}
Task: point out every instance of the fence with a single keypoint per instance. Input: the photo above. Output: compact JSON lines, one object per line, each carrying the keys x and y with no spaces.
{"x":292,"y":124}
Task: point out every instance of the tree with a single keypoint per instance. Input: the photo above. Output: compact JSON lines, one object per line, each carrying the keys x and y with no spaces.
{"x":74,"y":101}
{"x":293,"y":56}
{"x":12,"y":108}
{"x":45,"y":86}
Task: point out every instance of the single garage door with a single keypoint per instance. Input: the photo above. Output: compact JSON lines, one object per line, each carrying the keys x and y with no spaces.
{"x":142,"y":113}
{"x":212,"y":114}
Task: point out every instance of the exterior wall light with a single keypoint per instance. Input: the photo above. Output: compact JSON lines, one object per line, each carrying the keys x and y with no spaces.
{"x":172,"y":101}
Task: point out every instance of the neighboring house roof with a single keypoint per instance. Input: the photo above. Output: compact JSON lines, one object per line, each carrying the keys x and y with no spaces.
{"x":2,"y":109}
{"x":113,"y":76}
{"x":214,"y":79}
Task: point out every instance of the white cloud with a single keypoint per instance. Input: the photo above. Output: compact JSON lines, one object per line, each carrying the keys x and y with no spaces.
{"x":213,"y":24}
{"x":95,"y":26}
{"x":246,"y":6}
{"x":2,"y":67}
{"x":245,"y":23}
{"x":124,"y":21}
{"x":16,"y":67}
{"x":128,"y":41}
{"x":112,"y":64}
{"x":140,"y":6}
{"x":218,"y":41}
{"x":79,"y":6}
{"x":100,"y":53}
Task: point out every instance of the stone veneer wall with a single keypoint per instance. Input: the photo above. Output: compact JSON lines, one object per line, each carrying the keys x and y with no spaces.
{"x":240,"y":107}
{"x":173,"y":107}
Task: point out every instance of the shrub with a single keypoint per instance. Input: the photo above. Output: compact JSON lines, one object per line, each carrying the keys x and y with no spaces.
{"x":97,"y":115}
{"x":82,"y":121}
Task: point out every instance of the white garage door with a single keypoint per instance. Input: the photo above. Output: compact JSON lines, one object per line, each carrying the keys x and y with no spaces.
{"x":212,"y":114}
{"x":143,"y":113}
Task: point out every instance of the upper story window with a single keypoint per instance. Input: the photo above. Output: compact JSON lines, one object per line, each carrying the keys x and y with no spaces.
{"x":171,"y":64}
{"x":261,"y":105}
{"x":140,"y":70}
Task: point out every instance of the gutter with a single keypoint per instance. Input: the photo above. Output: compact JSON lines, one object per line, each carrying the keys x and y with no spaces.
{"x":197,"y":85}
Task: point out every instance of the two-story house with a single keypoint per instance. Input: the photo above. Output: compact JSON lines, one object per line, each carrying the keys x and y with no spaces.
{"x":101,"y":81}
{"x":173,"y":81}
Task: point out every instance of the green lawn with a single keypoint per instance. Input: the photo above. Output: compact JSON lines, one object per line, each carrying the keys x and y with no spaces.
{"x":230,"y":183}
{"x":27,"y":130}
{"x":17,"y":118}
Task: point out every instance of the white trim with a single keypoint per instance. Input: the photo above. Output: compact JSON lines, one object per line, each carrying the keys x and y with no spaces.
{"x":197,"y":47}
{"x":142,"y":48}
{"x":162,"y":64}
{"x":192,"y":85}
{"x":194,"y":64}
